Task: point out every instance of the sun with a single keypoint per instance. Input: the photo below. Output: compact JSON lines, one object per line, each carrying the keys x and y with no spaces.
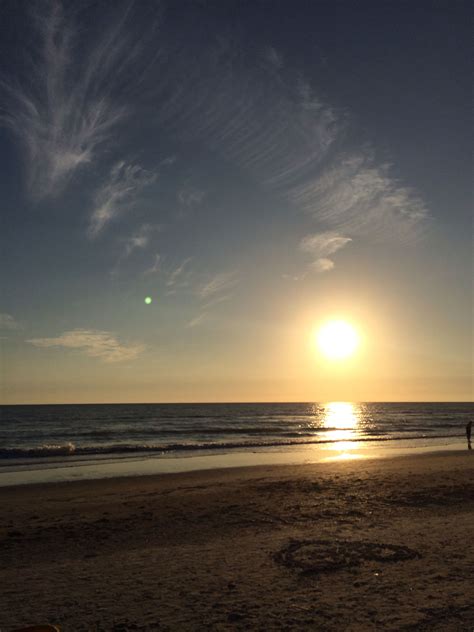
{"x":337,"y":339}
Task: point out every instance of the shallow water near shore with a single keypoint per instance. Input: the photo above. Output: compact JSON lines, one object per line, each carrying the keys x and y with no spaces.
{"x":57,"y":470}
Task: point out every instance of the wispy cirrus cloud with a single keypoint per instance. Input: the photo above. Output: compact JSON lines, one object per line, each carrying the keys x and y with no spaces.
{"x":118,"y":194}
{"x":216,"y":290}
{"x":358,"y":197}
{"x":319,"y":246}
{"x":140,"y":238}
{"x":156,"y":265}
{"x":271,"y":123}
{"x":176,"y":276}
{"x":249,"y":107}
{"x":94,"y":343}
{"x":217,"y":285}
{"x":197,"y":320}
{"x":65,"y":107}
{"x":189,"y":196}
{"x":323,"y":244}
{"x":271,"y":128}
{"x":217,"y":298}
{"x":322,"y":265}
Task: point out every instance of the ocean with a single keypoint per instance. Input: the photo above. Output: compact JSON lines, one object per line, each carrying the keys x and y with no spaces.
{"x":43,"y":437}
{"x":111,"y":429}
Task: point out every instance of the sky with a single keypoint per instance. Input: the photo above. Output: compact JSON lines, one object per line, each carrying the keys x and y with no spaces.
{"x":256,"y":169}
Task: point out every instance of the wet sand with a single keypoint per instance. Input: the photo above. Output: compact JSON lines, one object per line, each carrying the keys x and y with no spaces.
{"x":373,"y":544}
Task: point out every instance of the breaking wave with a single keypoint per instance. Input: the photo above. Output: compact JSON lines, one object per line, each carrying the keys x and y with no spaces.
{"x":69,"y":449}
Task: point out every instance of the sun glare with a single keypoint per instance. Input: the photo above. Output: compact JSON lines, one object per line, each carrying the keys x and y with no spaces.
{"x":337,"y":340}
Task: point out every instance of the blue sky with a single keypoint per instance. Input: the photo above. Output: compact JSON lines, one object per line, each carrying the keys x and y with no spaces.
{"x":254,"y":168}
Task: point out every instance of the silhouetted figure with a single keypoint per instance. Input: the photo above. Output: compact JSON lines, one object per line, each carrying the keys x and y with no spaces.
{"x":468,"y":434}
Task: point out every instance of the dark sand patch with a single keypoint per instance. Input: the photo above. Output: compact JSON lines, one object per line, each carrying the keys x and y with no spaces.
{"x":312,"y":557}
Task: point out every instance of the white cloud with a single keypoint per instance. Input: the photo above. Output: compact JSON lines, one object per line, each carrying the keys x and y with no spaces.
{"x":252,"y":117}
{"x":322,"y":265}
{"x":7,"y":322}
{"x":156,"y":265}
{"x":275,"y":127}
{"x":198,"y":320}
{"x":320,"y":246}
{"x":216,"y":299}
{"x":358,"y":197}
{"x":140,"y":239}
{"x":170,"y":160}
{"x":190,"y":197}
{"x":64,"y":108}
{"x":221,"y":282}
{"x":118,"y":194}
{"x":94,"y":343}
{"x":134,"y":242}
{"x":177,"y":274}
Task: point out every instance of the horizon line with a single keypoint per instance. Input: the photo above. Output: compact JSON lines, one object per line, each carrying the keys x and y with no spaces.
{"x":209,"y":403}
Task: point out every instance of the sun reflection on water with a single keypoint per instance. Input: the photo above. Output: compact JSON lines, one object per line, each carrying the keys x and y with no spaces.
{"x":342,"y":420}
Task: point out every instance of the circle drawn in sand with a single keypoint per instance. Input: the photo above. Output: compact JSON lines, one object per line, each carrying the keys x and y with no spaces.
{"x":311,"y":557}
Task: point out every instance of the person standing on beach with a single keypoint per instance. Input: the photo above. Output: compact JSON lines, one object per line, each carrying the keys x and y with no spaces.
{"x":468,"y":434}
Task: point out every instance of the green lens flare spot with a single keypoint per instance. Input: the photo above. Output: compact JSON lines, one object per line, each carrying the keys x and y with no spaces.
{"x":148,"y":300}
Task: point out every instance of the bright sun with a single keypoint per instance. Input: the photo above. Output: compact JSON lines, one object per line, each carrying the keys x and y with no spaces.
{"x":337,"y":339}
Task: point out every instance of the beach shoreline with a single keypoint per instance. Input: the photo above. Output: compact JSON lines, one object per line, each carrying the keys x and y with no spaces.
{"x":360,"y":544}
{"x":69,"y":442}
{"x":59,"y":469}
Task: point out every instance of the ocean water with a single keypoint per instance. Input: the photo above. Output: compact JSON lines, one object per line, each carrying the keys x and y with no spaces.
{"x":74,"y":442}
{"x":68,"y":431}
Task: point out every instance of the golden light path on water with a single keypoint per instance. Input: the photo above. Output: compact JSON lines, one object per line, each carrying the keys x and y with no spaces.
{"x":342,"y":420}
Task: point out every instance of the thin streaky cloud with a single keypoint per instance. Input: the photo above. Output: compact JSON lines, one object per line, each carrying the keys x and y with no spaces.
{"x":221,"y":282}
{"x":190,"y":197}
{"x":156,"y":265}
{"x":124,"y":185}
{"x":216,"y":300}
{"x":177,"y":274}
{"x":198,"y":320}
{"x":135,"y":242}
{"x":274,"y":126}
{"x":360,"y":198}
{"x":322,"y":244}
{"x":94,"y":343}
{"x":140,"y":239}
{"x":253,"y":118}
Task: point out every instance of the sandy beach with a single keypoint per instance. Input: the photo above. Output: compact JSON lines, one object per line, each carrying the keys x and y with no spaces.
{"x":379,"y":544}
